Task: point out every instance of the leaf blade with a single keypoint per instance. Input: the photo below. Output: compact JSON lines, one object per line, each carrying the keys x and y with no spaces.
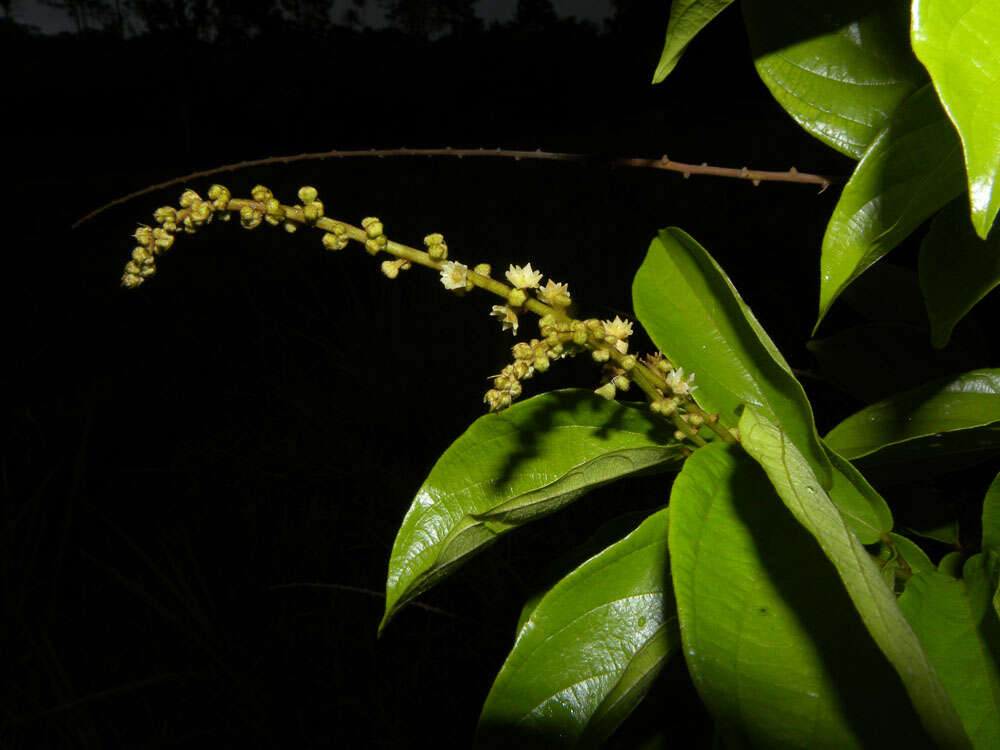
{"x":510,"y":468}
{"x":840,"y":69}
{"x":687,"y":19}
{"x":957,"y":269}
{"x":684,"y":299}
{"x":962,"y":409}
{"x":771,"y":639}
{"x":608,"y":627}
{"x":874,"y":601}
{"x":960,"y":631}
{"x":957,"y":42}
{"x":911,"y":169}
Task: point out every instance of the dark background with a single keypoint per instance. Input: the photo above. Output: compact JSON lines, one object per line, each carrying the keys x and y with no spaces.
{"x":182,"y":463}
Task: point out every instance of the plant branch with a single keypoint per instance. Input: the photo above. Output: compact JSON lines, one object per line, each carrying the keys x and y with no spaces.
{"x":744,"y":173}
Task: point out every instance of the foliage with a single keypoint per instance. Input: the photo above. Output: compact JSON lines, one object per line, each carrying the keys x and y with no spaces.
{"x":803,"y":617}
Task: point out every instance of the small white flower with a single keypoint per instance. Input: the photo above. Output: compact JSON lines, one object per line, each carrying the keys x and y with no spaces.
{"x":523,"y":278}
{"x":453,"y":274}
{"x":552,"y":292}
{"x":620,"y":329}
{"x":507,"y":316}
{"x":677,"y":384}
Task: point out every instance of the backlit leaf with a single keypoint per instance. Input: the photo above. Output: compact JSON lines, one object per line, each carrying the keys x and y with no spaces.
{"x":774,"y":645}
{"x":694,"y":314}
{"x":959,"y":43}
{"x":840,"y":69}
{"x":803,"y":495}
{"x":687,"y":18}
{"x":911,"y":169}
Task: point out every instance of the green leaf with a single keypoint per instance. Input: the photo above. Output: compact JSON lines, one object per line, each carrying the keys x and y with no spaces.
{"x":803,"y":495}
{"x":915,"y":557}
{"x":840,"y":69}
{"x":696,"y":317}
{"x":943,"y":411}
{"x":951,"y":564}
{"x":959,"y":43}
{"x":590,"y":649}
{"x":957,"y":269}
{"x":862,"y":508}
{"x":961,"y":634}
{"x":513,"y":467}
{"x":911,"y":169}
{"x":687,"y":19}
{"x":875,"y":360}
{"x":991,"y":517}
{"x":772,"y":642}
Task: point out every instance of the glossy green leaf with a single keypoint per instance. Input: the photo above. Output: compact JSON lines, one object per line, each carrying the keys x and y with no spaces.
{"x":803,"y":495}
{"x":875,"y":360}
{"x":911,"y":169}
{"x":960,"y":632}
{"x":590,"y":649}
{"x":513,"y":467}
{"x":696,"y":317}
{"x":687,"y":18}
{"x":840,"y":69}
{"x":862,"y":508}
{"x":959,"y":43}
{"x":957,"y":269}
{"x":951,"y":564}
{"x":962,"y":410}
{"x":991,"y":517}
{"x":774,"y":646}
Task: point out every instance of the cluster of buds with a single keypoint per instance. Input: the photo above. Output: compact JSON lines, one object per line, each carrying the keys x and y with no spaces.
{"x":376,"y":235}
{"x":529,"y":357}
{"x":150,"y":243}
{"x":194,"y":213}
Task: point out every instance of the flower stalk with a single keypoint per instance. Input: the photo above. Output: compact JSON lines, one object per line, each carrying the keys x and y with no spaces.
{"x":668,"y":392}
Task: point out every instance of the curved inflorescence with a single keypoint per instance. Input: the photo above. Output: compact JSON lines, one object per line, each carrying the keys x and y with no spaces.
{"x":667,"y":390}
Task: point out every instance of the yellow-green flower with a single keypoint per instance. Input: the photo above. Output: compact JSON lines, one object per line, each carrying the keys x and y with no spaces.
{"x":523,"y":277}
{"x":453,"y":274}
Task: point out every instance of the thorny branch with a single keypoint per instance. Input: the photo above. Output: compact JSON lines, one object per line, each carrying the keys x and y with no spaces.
{"x":664,"y":163}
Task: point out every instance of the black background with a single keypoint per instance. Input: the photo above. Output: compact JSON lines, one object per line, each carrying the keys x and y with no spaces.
{"x":261,"y":412}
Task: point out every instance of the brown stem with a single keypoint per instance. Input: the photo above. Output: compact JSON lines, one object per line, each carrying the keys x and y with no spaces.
{"x":755,"y":176}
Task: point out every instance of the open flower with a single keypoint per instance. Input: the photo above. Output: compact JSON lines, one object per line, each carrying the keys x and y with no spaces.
{"x":453,"y":274}
{"x":523,"y":278}
{"x":554,"y":294}
{"x":677,"y":384}
{"x":507,"y":317}
{"x":621,"y":330}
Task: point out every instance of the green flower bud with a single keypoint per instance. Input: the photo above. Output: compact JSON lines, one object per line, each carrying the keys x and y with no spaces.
{"x":390,"y":269}
{"x":261,"y":194}
{"x":313,"y":212}
{"x":678,"y":435}
{"x":291,"y":227}
{"x":522,"y":370}
{"x":308,"y":194}
{"x":188,"y":197}
{"x":695,"y":420}
{"x":372,"y":226}
{"x":664,"y":406}
{"x":541,"y":363}
{"x":600,"y":355}
{"x":628,"y":363}
{"x":373,"y":246}
{"x":522,"y":350}
{"x":517,"y":297}
{"x":607,"y":391}
{"x":621,"y":382}
{"x":438,"y":252}
{"x":333,"y":242}
{"x":132,"y":268}
{"x":143,"y":235}
{"x":165,"y":214}
{"x":579,"y":338}
{"x":483,"y":269}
